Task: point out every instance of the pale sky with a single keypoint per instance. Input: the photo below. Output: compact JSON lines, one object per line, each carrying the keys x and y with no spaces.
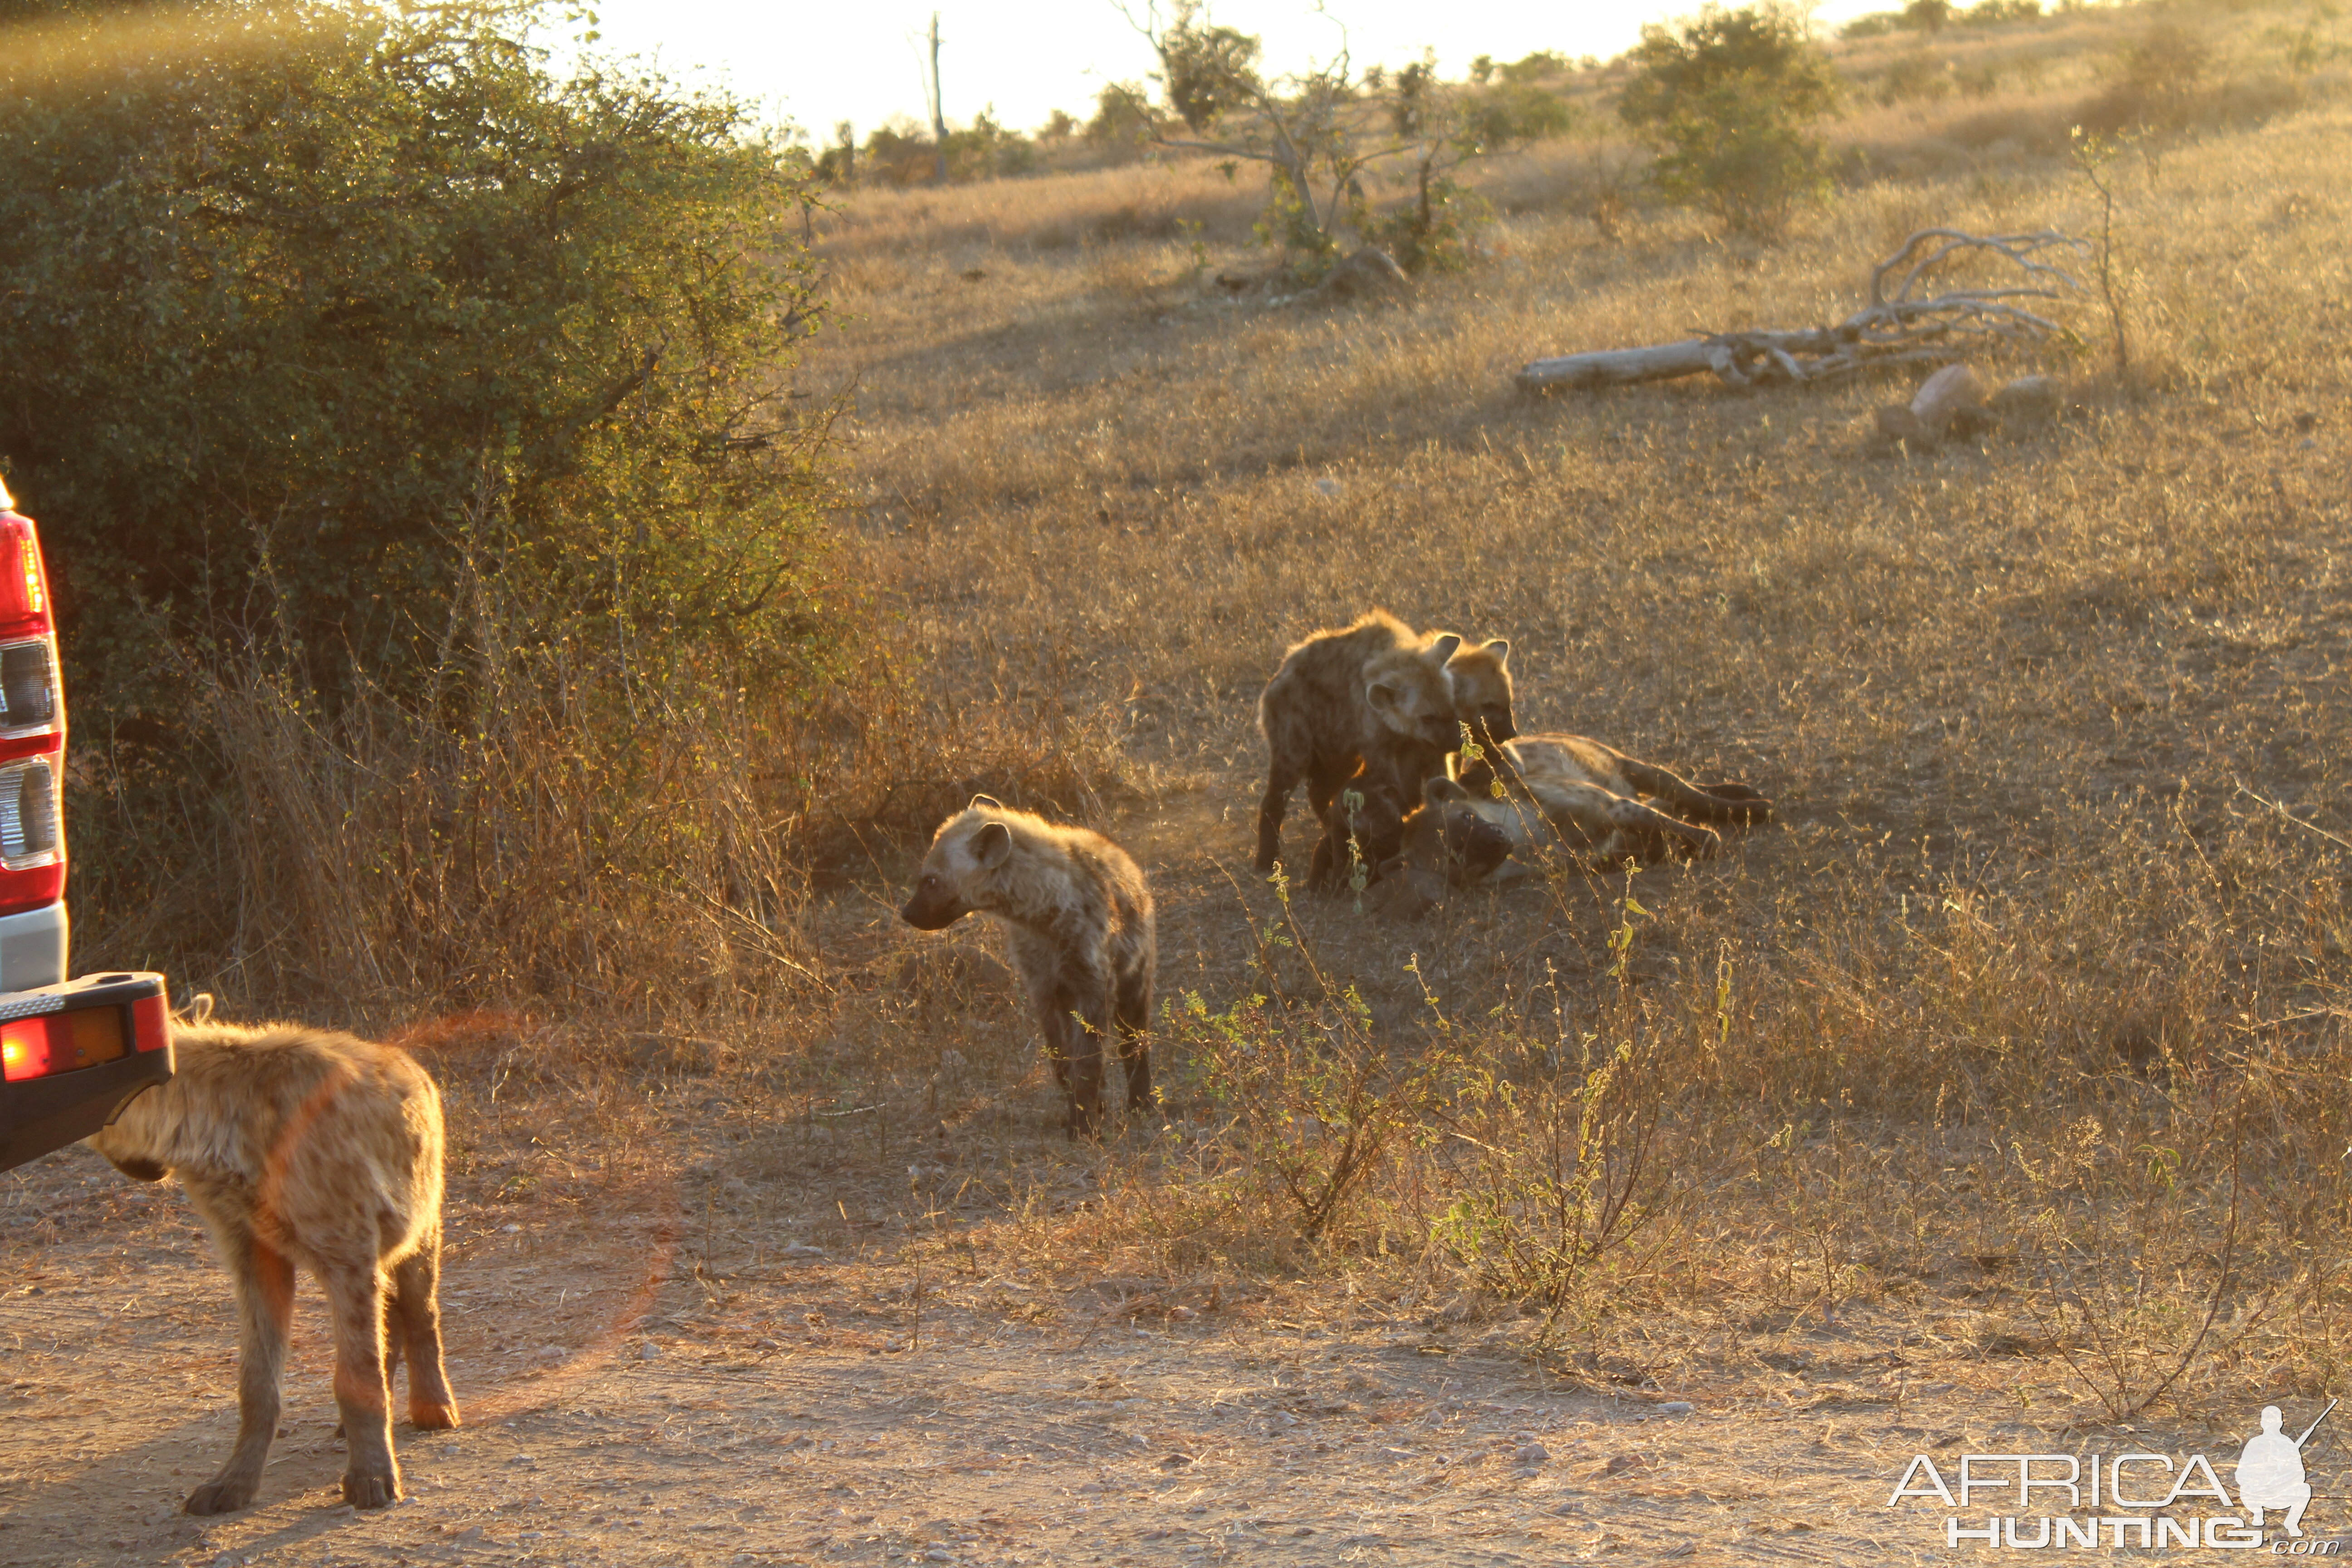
{"x":859,"y":59}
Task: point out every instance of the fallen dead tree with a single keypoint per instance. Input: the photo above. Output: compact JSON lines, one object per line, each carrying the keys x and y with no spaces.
{"x":1917,"y":321}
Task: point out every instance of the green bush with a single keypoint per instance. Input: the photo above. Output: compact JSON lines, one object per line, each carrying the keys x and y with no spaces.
{"x":285,"y":302}
{"x":1727,"y":101}
{"x":327,"y":327}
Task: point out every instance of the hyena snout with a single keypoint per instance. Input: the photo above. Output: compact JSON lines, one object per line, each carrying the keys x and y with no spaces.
{"x":933,"y":907}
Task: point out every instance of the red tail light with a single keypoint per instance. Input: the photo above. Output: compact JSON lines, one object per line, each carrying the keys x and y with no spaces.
{"x":32,"y":724}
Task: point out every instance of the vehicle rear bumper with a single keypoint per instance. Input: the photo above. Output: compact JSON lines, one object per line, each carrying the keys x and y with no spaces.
{"x":42,"y":1113}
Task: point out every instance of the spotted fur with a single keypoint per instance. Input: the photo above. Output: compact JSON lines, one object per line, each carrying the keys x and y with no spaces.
{"x":301,"y":1146}
{"x":1588,"y":797}
{"x":1370,"y":691}
{"x":1077,"y":913}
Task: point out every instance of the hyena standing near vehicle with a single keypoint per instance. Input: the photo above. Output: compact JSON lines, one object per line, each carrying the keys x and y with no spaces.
{"x":1373,"y":693}
{"x":301,"y":1145}
{"x":1079,"y":914}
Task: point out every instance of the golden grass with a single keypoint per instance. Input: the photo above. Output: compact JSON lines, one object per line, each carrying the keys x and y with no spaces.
{"x":2033,"y":972}
{"x":2024,"y":1025}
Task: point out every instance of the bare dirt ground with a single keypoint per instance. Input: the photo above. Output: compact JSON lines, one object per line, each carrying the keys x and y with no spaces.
{"x":625,"y":1406}
{"x":839,"y":1293}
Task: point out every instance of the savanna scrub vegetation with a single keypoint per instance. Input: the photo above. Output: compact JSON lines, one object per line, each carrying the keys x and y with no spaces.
{"x":493,"y":607}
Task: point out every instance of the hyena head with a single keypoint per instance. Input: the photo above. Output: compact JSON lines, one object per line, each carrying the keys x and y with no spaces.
{"x":1447,"y":833}
{"x":967,"y":847}
{"x":1409,"y":695}
{"x":1481,"y":684}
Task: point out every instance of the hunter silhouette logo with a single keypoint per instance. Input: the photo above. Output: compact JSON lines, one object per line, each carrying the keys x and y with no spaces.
{"x":2269,"y":1471}
{"x":2080,"y":1500}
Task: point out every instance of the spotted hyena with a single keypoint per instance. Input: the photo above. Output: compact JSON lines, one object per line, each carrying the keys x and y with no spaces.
{"x":301,"y":1146}
{"x":1079,"y":914}
{"x":1588,"y":797}
{"x":1478,"y":678}
{"x":1373,"y":692}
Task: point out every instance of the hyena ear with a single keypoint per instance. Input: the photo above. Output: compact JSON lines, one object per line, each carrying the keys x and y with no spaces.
{"x":1442,"y":648}
{"x":991,"y":845}
{"x":986,"y":802}
{"x":1501,"y":648}
{"x":1382,"y":695}
{"x":1444,"y":792}
{"x":198,"y":1010}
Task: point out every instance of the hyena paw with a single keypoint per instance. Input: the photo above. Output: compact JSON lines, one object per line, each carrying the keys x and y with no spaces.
{"x":221,"y":1495}
{"x":426,"y":1415}
{"x":361,"y":1490}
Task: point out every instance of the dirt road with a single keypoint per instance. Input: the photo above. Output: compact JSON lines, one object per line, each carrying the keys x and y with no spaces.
{"x":625,"y":1406}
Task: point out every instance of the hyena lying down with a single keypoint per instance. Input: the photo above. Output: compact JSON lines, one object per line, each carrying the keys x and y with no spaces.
{"x":1374,"y":693}
{"x":1586,"y":795}
{"x":304,"y":1146}
{"x":1078,"y":913}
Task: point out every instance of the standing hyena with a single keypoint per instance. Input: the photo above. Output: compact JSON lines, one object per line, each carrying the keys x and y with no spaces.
{"x":1372,"y":693}
{"x":1079,"y":916}
{"x":299,"y":1145}
{"x":1478,"y":678}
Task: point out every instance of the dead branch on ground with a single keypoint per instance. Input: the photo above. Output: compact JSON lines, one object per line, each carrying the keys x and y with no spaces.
{"x":1911,"y":324}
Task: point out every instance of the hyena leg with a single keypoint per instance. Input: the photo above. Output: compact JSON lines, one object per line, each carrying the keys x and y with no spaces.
{"x":417,"y":1299}
{"x":265,"y":1305}
{"x":1134,"y":1050}
{"x":1280,"y":780}
{"x":355,"y":1293}
{"x":1659,"y":834}
{"x":1075,"y":1018}
{"x":1730,"y":803}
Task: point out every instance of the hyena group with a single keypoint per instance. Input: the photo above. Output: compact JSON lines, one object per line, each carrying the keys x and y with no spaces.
{"x":304,"y":1147}
{"x":1373,"y":717}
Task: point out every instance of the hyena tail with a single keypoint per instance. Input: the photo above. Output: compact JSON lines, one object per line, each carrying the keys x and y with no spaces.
{"x":1701,"y":803}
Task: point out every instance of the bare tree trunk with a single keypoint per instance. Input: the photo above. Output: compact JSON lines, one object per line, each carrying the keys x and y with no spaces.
{"x":938,"y":120}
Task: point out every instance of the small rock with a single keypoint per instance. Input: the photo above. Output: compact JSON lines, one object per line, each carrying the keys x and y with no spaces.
{"x":1181,"y":1314}
{"x":550,"y":1352}
{"x":648,"y":1350}
{"x":1532,"y":1454}
{"x":1329,"y":486}
{"x":801,"y":1249}
{"x":512,"y":1229}
{"x":1675,"y":1407}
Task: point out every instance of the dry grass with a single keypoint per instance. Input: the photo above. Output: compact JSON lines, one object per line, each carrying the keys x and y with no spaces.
{"x":2024,"y":1028}
{"x":2028,"y":1020}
